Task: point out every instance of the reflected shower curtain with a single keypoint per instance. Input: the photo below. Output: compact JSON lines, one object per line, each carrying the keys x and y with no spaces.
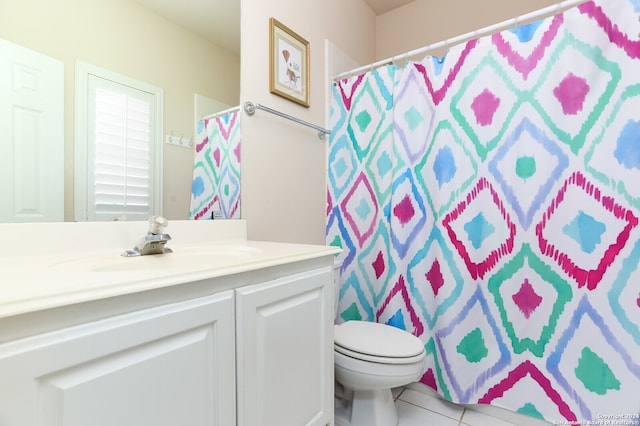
{"x":488,"y":203}
{"x":215,"y":190}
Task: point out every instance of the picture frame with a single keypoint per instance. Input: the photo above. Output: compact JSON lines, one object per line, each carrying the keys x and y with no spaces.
{"x":288,"y":64}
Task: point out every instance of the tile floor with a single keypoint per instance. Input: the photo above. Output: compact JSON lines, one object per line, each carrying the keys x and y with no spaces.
{"x":420,"y":406}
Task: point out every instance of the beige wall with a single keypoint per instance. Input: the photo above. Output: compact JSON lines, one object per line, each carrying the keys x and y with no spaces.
{"x":424,"y":22}
{"x":283,"y":163}
{"x":123,"y":37}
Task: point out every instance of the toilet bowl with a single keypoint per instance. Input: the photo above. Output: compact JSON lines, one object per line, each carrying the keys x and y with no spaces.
{"x":370,"y":359}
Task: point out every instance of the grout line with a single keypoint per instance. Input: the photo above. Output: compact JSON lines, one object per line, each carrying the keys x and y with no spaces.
{"x":464,"y":410}
{"x":430,"y":410}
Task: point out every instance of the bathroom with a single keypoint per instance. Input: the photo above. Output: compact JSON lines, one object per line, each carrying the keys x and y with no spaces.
{"x":290,"y":205}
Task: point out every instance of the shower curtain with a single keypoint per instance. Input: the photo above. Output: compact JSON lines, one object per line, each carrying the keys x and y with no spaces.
{"x":488,"y":203}
{"x":215,"y":190}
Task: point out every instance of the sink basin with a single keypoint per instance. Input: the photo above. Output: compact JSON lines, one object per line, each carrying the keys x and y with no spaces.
{"x":185,"y":258}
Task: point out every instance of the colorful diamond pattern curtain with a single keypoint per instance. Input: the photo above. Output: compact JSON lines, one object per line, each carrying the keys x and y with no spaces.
{"x":488,"y":203}
{"x":215,"y":191}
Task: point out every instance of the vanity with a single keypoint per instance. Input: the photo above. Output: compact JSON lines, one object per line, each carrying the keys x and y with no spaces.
{"x":223,"y":331}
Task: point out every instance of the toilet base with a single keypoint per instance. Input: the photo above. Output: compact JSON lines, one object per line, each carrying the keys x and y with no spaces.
{"x":367,"y":408}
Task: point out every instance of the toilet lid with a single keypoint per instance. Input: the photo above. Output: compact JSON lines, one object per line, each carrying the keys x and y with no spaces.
{"x":379,"y":340}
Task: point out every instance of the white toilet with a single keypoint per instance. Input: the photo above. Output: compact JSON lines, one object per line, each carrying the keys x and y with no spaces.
{"x":370,"y":359}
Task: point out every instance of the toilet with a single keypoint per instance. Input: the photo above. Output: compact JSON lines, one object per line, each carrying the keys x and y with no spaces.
{"x":369,"y":360}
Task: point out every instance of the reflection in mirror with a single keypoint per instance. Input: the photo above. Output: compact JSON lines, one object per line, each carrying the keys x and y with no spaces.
{"x":164,"y":47}
{"x":216,"y":173}
{"x":32,"y":142}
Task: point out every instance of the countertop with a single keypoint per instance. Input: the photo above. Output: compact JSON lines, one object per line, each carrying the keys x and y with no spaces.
{"x":77,"y":271}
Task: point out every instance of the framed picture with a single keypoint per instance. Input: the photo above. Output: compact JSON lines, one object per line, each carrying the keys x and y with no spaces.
{"x":289,"y":64}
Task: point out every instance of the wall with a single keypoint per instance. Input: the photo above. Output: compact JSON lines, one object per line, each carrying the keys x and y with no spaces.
{"x":424,"y":22}
{"x":284,"y":163}
{"x":124,"y":37}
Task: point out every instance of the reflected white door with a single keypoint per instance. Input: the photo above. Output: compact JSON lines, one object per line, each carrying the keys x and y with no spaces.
{"x":31,"y":136}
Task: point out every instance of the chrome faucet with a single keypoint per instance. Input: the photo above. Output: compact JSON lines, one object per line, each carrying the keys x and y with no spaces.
{"x":155,"y":240}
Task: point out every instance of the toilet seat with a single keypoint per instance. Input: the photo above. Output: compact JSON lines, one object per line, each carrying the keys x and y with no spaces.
{"x":375,"y":342}
{"x":370,"y":359}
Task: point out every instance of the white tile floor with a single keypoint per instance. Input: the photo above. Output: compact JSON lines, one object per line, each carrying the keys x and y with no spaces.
{"x":418,"y":405}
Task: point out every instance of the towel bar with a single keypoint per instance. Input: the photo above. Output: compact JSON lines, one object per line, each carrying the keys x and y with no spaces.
{"x":250,"y":108}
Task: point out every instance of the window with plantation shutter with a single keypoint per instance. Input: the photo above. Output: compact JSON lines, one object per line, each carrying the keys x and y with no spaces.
{"x":122,"y":148}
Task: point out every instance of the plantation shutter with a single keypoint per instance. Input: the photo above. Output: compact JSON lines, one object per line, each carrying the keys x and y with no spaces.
{"x":121,"y":156}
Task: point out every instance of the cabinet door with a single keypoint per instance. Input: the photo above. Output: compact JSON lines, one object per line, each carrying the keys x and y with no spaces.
{"x":284,"y":334}
{"x":171,"y":365}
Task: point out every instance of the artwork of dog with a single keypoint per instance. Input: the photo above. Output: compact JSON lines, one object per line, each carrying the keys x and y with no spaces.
{"x":293,"y":70}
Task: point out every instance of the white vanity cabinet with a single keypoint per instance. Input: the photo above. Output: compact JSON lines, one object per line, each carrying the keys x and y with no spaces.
{"x":224,"y":331}
{"x":284,"y":332}
{"x":169,"y":365}
{"x":259,"y":352}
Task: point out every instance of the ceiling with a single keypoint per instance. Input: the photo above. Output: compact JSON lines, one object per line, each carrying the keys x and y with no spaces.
{"x":381,"y":7}
{"x":219,"y":20}
{"x":215,"y":20}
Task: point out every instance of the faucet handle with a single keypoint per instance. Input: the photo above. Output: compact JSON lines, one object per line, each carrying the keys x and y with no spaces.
{"x":157,"y":225}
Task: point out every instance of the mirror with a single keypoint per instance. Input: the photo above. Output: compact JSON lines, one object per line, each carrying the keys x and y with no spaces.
{"x":178,"y":46}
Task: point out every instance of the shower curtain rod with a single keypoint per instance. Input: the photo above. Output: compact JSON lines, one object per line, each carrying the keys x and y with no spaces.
{"x":510,"y":23}
{"x":250,"y":108}
{"x":223,"y":112}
